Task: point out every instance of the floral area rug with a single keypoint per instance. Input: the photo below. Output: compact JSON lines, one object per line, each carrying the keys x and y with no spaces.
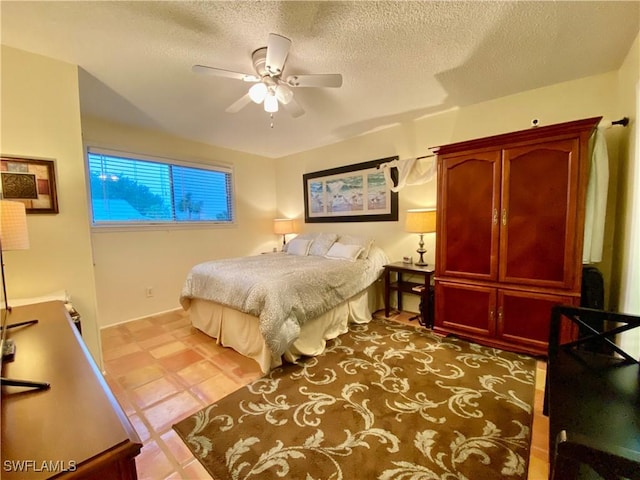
{"x":385,"y":401}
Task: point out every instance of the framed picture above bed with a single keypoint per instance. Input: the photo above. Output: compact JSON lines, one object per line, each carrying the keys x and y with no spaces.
{"x":353,"y":193}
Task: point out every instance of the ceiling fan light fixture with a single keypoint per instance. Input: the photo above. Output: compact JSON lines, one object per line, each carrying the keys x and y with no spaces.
{"x":258,"y":92}
{"x":269,"y":86}
{"x":284,"y":94}
{"x":271,"y":103}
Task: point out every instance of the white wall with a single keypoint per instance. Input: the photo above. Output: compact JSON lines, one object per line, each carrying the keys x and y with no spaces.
{"x":129,"y":261}
{"x":41,"y":119}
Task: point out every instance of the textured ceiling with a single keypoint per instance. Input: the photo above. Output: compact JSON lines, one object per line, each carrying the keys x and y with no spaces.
{"x":399,"y":60}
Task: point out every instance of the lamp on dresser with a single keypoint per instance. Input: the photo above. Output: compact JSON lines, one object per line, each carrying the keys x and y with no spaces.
{"x":283,"y":226}
{"x":421,"y":221}
{"x":13,"y":235}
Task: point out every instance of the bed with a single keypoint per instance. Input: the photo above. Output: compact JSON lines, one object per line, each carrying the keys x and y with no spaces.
{"x":287,"y":304}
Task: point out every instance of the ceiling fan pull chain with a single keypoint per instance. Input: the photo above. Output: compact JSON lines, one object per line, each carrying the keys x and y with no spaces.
{"x":271,"y":115}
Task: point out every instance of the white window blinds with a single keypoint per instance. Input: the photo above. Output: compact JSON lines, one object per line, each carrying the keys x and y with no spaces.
{"x":130,"y":189}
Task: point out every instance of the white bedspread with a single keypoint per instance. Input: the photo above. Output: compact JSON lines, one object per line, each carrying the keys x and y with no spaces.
{"x":283,"y":291}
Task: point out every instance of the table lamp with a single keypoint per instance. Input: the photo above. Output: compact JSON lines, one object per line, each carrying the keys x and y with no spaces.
{"x":283,"y":226}
{"x":421,"y":221}
{"x":13,"y":235}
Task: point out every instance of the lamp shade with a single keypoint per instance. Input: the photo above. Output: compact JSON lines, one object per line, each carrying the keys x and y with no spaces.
{"x":282,"y":226}
{"x":271,"y":103}
{"x":284,"y":94}
{"x":13,"y":226}
{"x":420,"y":221}
{"x":258,"y":92}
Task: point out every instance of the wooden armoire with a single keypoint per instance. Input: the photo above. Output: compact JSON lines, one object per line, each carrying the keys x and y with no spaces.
{"x":510,"y":228}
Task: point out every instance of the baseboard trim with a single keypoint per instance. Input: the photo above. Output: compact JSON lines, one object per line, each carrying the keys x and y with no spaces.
{"x":141,"y":318}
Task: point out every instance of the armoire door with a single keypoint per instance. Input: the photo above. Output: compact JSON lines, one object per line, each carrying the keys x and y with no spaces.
{"x":538,"y":216}
{"x":523,"y":318}
{"x":466,"y":308}
{"x":468,"y":205}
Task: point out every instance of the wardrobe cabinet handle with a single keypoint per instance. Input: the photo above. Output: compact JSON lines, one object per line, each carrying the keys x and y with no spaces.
{"x":495,"y":216}
{"x":504,"y":217}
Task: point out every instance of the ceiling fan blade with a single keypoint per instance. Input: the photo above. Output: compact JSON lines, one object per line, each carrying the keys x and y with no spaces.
{"x":239,"y":104}
{"x":333,"y":80}
{"x":293,"y":108}
{"x":277,"y":51}
{"x":219,"y":72}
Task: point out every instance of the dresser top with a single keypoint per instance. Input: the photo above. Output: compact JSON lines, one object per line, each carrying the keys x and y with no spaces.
{"x":73,"y":421}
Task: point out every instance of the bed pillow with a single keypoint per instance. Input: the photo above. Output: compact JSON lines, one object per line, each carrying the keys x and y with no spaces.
{"x":322,"y":243}
{"x":298,"y":246}
{"x":364,"y":242}
{"x":344,"y":252}
{"x":302,"y":236}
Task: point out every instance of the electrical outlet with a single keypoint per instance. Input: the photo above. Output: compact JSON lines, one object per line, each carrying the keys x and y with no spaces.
{"x":149,"y":291}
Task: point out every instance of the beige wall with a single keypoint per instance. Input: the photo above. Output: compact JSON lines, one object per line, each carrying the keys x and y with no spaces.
{"x":41,"y":119}
{"x":127,"y":261}
{"x":627,"y":240}
{"x":588,"y":97}
{"x":626,"y":265}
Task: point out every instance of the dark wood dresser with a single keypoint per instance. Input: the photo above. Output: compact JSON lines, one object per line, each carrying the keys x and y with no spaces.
{"x":76,"y":428}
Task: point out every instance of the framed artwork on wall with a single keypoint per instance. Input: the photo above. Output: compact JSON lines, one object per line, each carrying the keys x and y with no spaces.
{"x":30,"y":181}
{"x":353,"y":193}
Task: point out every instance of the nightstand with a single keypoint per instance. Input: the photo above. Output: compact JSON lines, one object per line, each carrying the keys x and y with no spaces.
{"x":400,"y":286}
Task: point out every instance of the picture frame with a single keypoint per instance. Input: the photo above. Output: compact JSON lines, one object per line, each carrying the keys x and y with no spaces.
{"x":353,"y":193}
{"x":30,"y":181}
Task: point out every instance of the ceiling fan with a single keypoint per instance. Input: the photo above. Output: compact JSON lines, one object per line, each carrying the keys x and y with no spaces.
{"x":270,"y":86}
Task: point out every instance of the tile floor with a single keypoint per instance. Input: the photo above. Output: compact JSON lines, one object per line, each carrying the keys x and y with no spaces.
{"x":161,"y":370}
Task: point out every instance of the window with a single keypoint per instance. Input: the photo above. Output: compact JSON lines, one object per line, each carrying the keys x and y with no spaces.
{"x":130,"y":190}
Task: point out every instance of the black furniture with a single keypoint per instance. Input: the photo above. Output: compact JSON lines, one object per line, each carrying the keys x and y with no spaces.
{"x":409,"y":285}
{"x":592,"y":396}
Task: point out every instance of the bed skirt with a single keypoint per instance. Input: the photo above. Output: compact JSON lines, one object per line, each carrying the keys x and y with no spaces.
{"x":240,"y":331}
